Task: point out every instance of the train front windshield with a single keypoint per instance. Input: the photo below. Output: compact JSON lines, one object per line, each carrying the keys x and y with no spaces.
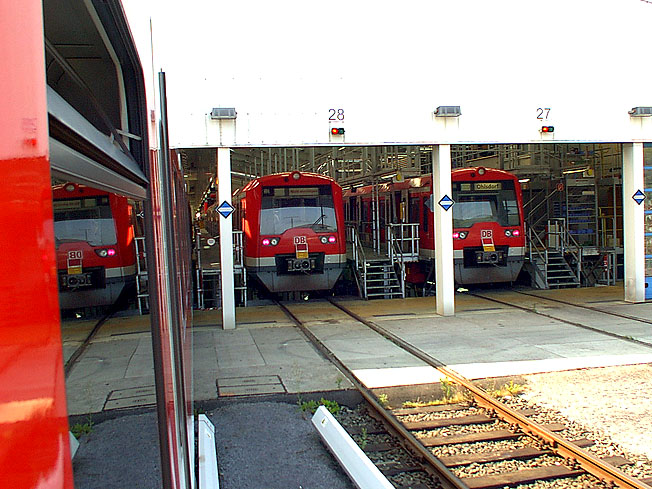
{"x":485,"y":202}
{"x":285,"y":208}
{"x":87,"y":219}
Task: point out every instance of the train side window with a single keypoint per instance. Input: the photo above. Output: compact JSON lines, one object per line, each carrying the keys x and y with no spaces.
{"x":425,"y":208}
{"x":413,"y":210}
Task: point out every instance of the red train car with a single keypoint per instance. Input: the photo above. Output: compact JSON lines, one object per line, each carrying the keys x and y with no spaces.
{"x":94,"y":235}
{"x":294,"y":234}
{"x":488,"y":227}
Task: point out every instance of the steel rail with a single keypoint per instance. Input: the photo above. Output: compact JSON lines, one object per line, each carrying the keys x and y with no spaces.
{"x":449,"y":480}
{"x":572,"y":323}
{"x":587,"y":461}
{"x":584,"y":306}
{"x":72,"y":361}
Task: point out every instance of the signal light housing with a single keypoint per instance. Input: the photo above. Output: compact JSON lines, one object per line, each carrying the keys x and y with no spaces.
{"x":337,"y":131}
{"x":547,"y":128}
{"x":105,"y":252}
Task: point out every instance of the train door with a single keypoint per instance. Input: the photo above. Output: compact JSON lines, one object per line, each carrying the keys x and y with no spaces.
{"x":400,"y":204}
{"x":353,"y":214}
{"x":414,"y":208}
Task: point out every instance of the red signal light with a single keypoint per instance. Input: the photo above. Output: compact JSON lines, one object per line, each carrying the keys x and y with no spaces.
{"x":548,"y":129}
{"x":337,"y":131}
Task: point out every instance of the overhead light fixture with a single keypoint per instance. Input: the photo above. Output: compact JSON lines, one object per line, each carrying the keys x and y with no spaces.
{"x":524,"y":180}
{"x":640,"y":112}
{"x":448,"y":111}
{"x":577,"y":170}
{"x":223,"y":113}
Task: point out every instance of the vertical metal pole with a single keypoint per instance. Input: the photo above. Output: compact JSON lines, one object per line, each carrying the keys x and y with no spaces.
{"x":633,"y":220}
{"x":226,"y":239}
{"x":444,"y":264}
{"x":165,"y":303}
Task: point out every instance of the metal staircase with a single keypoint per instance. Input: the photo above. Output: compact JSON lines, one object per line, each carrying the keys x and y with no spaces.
{"x":383,"y":276}
{"x":558,"y":272}
{"x":142,"y":282}
{"x":209,"y":277}
{"x":555,"y":258}
{"x":380,"y":280}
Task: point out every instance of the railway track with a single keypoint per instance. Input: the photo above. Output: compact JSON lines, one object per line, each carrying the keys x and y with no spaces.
{"x":68,"y":366}
{"x":478,"y":443}
{"x":557,"y":317}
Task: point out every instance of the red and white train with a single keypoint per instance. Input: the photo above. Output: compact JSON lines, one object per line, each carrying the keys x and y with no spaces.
{"x":488,"y":227}
{"x":96,"y":254}
{"x":293,"y":231}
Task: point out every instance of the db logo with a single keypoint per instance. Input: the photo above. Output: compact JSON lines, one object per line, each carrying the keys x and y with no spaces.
{"x":486,"y":233}
{"x":299,"y":240}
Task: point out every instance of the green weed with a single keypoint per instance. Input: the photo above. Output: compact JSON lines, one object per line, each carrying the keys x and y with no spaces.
{"x":79,"y":429}
{"x":312,"y":406}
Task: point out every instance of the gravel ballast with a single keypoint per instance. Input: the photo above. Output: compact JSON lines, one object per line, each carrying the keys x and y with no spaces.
{"x":614,"y":402}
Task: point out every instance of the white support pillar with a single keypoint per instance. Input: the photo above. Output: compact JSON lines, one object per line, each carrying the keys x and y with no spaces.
{"x":445,"y":272}
{"x":226,"y":238}
{"x":633,"y":223}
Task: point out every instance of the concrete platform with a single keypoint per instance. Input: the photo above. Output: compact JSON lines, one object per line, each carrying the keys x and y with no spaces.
{"x":267,"y":354}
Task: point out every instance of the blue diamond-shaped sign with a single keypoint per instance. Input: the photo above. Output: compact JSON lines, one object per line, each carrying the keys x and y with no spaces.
{"x":225,"y":209}
{"x":446,"y":202}
{"x":638,"y":197}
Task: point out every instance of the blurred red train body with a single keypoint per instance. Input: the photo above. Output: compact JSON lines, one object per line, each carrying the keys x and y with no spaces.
{"x":488,"y":227}
{"x":293,"y":231}
{"x":96,"y":255}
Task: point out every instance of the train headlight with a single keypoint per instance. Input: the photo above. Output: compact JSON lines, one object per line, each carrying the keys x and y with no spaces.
{"x":460,"y":234}
{"x":105,"y":252}
{"x":512,"y":233}
{"x":481,"y":171}
{"x":508,"y":233}
{"x":516,"y":233}
{"x":323,"y":239}
{"x":273,"y":241}
{"x":332,"y":239}
{"x":266,"y":242}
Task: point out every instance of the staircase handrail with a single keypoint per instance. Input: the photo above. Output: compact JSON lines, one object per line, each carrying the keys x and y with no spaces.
{"x":575,"y":249}
{"x":396,"y":256}
{"x":569,"y":244}
{"x":530,"y":212}
{"x":359,"y":260}
{"x":403,"y":242}
{"x":537,"y":250}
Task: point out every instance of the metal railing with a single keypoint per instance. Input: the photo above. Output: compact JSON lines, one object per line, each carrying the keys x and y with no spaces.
{"x":538,"y":252}
{"x":530,"y":212}
{"x":403,"y":242}
{"x":142,"y":290}
{"x":238,"y":267}
{"x":359,"y":259}
{"x":555,"y":237}
{"x":565,"y":243}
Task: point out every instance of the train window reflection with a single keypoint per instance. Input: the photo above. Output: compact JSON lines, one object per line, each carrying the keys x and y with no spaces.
{"x":472,"y":207}
{"x":286,"y":208}
{"x":87,"y":220}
